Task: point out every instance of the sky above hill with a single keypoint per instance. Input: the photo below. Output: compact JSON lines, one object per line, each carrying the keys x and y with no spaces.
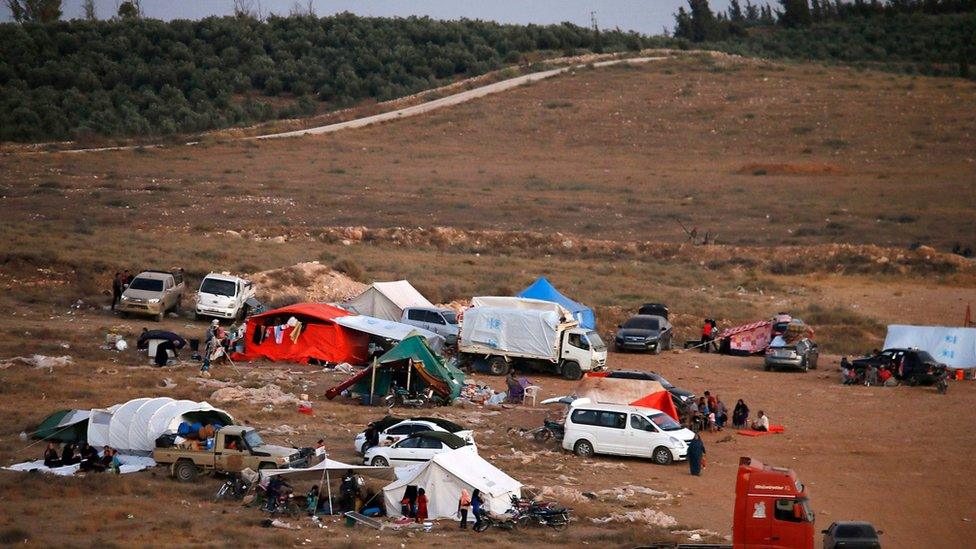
{"x":645,"y":16}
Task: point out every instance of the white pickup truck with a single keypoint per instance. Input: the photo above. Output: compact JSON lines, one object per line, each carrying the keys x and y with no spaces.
{"x":222,"y":295}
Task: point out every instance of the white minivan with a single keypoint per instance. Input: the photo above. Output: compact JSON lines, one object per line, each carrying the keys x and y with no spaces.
{"x":624,"y":430}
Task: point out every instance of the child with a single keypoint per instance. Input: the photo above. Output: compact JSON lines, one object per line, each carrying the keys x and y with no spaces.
{"x":463,"y":504}
{"x":421,"y":505}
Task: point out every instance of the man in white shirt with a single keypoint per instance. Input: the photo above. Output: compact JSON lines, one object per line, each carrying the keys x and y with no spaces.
{"x":761,"y":423}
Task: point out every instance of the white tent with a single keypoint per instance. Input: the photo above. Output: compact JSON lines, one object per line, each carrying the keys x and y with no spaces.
{"x":389,"y":329}
{"x":134,"y":426}
{"x":954,"y":347}
{"x":443,"y":478}
{"x":317,"y":471}
{"x":387,"y":300}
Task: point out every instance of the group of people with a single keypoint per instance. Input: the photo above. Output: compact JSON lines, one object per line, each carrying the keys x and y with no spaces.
{"x":120,"y":282}
{"x":84,"y":455}
{"x":708,"y":413}
{"x":414,"y":504}
{"x":870,"y":375}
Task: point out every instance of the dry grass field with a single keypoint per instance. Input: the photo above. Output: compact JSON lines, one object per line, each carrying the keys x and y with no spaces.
{"x":813,"y":181}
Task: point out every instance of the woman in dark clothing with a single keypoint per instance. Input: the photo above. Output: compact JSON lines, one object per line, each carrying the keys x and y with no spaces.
{"x":51,"y":458}
{"x":68,"y":456}
{"x":696,"y":453}
{"x":476,"y":507}
{"x":740,"y":415}
{"x":89,"y":459}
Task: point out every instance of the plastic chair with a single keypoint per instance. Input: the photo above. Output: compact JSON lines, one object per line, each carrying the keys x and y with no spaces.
{"x":532,"y":391}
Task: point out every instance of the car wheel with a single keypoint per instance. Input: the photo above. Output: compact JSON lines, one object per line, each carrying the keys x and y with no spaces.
{"x":583,"y":448}
{"x":662,"y":456}
{"x":498,"y":366}
{"x":185,"y":470}
{"x":572,"y":371}
{"x":379,"y":461}
{"x":804,"y":365}
{"x":364,"y":447}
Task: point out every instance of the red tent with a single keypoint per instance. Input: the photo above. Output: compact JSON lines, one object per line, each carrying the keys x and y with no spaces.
{"x":269,"y":337}
{"x":599,"y":387}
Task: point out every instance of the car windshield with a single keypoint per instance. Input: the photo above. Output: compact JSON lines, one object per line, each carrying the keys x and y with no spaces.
{"x":639,"y":323}
{"x":218,"y":287}
{"x":664,"y":383}
{"x":596,"y":341}
{"x":665,"y":422}
{"x":147,"y":284}
{"x":449,"y":316}
{"x":855,"y":531}
{"x":924,"y":356}
{"x":253,"y":439}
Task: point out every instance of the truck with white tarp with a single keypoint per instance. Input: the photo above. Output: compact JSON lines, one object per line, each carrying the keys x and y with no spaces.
{"x":529,"y":334}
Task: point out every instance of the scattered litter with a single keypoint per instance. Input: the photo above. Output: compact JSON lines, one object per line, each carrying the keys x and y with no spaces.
{"x":697,"y":534}
{"x":216,"y":383}
{"x":342,"y":368}
{"x":605,"y":464}
{"x":38,"y":362}
{"x":649,"y":517}
{"x":269,"y":523}
{"x":167,"y":383}
{"x":284,"y":430}
{"x":524,"y":457}
{"x":269,"y":394}
{"x":562,"y":494}
{"x":629,"y":491}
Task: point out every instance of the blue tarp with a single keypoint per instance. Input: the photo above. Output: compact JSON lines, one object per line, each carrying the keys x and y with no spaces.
{"x":543,"y":290}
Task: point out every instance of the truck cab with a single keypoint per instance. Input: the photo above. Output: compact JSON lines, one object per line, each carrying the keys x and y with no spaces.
{"x":772,"y":509}
{"x":222,"y":295}
{"x":581,"y":348}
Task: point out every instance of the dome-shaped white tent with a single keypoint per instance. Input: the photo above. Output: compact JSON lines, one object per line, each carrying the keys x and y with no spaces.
{"x":139,"y":436}
{"x":133,"y":427}
{"x":118,"y":427}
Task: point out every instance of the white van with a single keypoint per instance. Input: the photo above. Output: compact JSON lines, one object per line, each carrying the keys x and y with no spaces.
{"x":222,"y":295}
{"x":624,"y":430}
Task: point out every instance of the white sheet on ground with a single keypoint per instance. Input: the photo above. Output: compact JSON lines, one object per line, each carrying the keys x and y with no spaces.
{"x":130,"y":464}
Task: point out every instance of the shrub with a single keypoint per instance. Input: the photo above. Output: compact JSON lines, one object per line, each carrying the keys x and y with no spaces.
{"x":351,"y":269}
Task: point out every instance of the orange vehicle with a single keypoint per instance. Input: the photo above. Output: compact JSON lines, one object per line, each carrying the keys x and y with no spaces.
{"x":771,"y":509}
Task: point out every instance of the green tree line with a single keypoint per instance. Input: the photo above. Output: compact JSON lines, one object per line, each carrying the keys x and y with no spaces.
{"x":136,"y":77}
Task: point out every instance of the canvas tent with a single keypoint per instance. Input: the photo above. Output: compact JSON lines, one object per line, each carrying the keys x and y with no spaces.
{"x":64,"y":426}
{"x":134,"y":426}
{"x":952,"y":346}
{"x":320,"y":338}
{"x":543,"y":290}
{"x":632,"y":392}
{"x":317,"y":471}
{"x":443,"y":478}
{"x":389,"y":329}
{"x":410,"y":364}
{"x":387,"y":300}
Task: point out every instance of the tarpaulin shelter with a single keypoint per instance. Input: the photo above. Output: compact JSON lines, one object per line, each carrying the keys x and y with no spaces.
{"x":520,"y":326}
{"x":543,"y":290}
{"x":389,"y":329}
{"x":412,"y":365}
{"x":64,"y":426}
{"x":443,"y":478}
{"x":134,"y":426}
{"x":387,"y":300}
{"x":952,"y":346}
{"x":749,"y":338}
{"x":319,"y":337}
{"x":317,"y":471}
{"x":632,"y":392}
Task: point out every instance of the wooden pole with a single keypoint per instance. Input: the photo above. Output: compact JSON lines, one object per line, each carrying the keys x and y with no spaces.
{"x":372,"y":383}
{"x":409,"y":370}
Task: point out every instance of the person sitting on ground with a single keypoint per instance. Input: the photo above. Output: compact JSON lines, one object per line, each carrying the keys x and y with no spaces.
{"x":51,"y":458}
{"x":710,"y":400}
{"x":721,"y":413}
{"x":114,"y":464}
{"x":69,"y":456}
{"x":761,"y":423}
{"x":691,"y":412}
{"x":740,"y":415}
{"x":845,"y":370}
{"x":89,"y":459}
{"x":883,"y":376}
{"x":516,"y":393}
{"x":871,"y":376}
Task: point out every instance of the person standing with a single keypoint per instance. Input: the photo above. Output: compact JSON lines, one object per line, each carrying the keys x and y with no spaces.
{"x":476,"y":504}
{"x":740,"y":415}
{"x":463,"y":505}
{"x":706,"y":336}
{"x":696,"y":455}
{"x":421,"y":505}
{"x":116,"y":289}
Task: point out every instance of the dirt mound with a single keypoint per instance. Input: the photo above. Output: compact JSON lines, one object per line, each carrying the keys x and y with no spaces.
{"x":309,"y":281}
{"x":789,"y":169}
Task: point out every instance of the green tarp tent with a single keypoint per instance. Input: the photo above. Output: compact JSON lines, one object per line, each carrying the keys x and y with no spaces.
{"x":430,"y":370}
{"x":64,"y":426}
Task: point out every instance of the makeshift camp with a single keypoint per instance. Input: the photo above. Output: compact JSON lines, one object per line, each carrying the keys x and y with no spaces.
{"x":64,"y":426}
{"x":301,"y":333}
{"x":443,"y":478}
{"x":411,"y":365}
{"x":543,"y":290}
{"x":389,"y":329}
{"x":134,"y":426}
{"x":952,"y":346}
{"x":387,"y":300}
{"x":633,"y":392}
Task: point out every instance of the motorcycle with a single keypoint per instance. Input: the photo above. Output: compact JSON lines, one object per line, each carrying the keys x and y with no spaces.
{"x":402,"y":397}
{"x":284,"y":504}
{"x":508,"y":521}
{"x":541,"y":513}
{"x":234,"y":487}
{"x":942,"y":383}
{"x":550,"y":430}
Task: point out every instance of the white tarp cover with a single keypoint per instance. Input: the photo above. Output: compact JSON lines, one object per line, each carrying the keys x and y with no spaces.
{"x":130,"y":464}
{"x":138,"y":431}
{"x":523,"y":332}
{"x":118,"y":427}
{"x":133,"y":427}
{"x":387,"y":300}
{"x":317,"y":471}
{"x":954,"y":347}
{"x":443,"y":478}
{"x":98,"y":424}
{"x":389,"y":329}
{"x":522,"y":303}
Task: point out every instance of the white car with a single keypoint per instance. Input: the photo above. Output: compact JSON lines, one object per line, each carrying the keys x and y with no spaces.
{"x":416,"y":448}
{"x":624,"y":430}
{"x":395,"y":429}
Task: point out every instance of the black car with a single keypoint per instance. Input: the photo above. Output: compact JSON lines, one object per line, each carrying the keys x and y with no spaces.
{"x":851,"y":534}
{"x":679,"y":397}
{"x":911,"y":366}
{"x":644,"y":333}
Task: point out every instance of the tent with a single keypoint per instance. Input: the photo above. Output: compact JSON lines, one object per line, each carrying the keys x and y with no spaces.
{"x":543,"y":290}
{"x":389,"y":329}
{"x":320,"y":338}
{"x":387,"y":300}
{"x":134,"y":426}
{"x":64,"y":426}
{"x":443,"y":478}
{"x":954,"y":347}
{"x":413,"y":354}
{"x":632,"y":392}
{"x":317,"y":471}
